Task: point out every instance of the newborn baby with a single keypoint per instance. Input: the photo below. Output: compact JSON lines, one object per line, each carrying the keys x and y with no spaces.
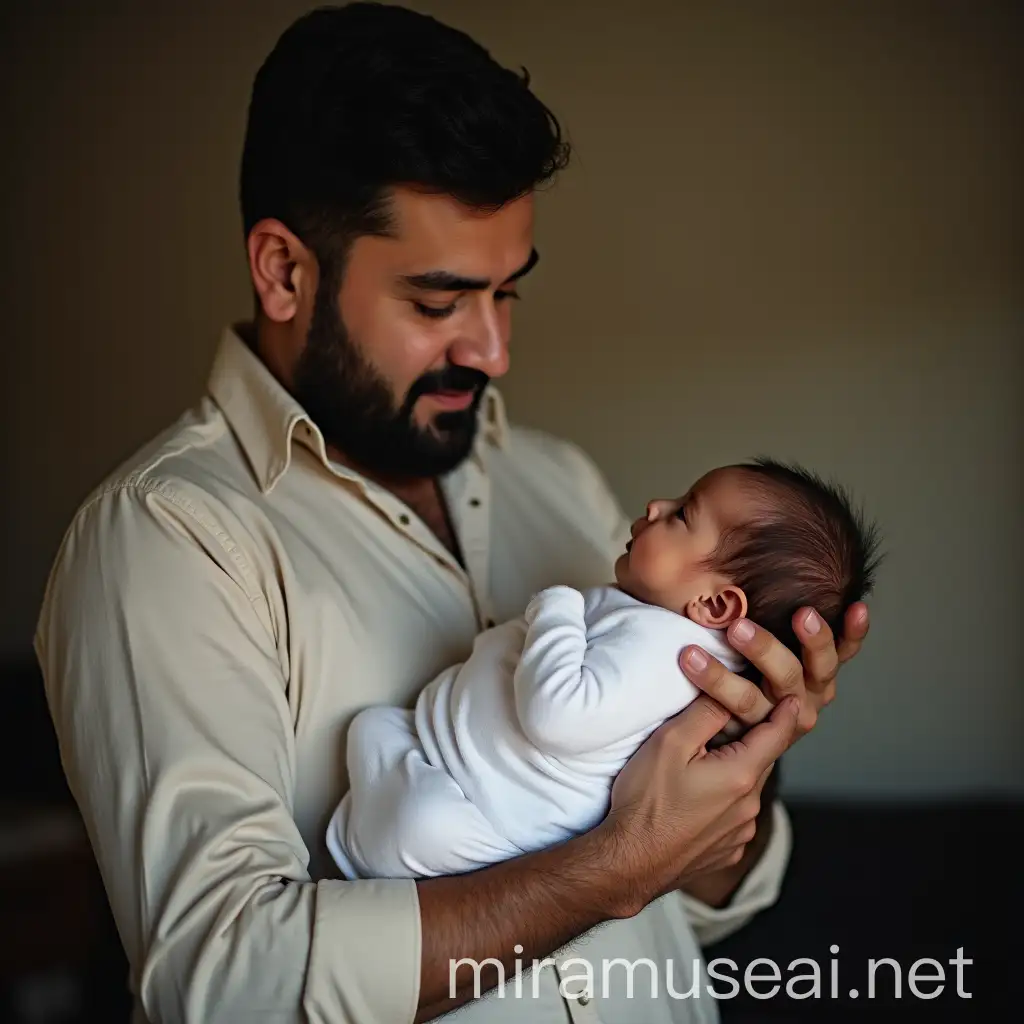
{"x":517,"y":748}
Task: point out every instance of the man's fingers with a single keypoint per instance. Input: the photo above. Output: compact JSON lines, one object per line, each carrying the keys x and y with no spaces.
{"x":715,"y":859}
{"x":855,"y":629}
{"x":768,"y":741}
{"x":725,"y":850}
{"x":737,"y":695}
{"x":782,"y":671}
{"x":695,"y":726}
{"x":820,"y":660}
{"x":705,"y":864}
{"x":739,"y":836}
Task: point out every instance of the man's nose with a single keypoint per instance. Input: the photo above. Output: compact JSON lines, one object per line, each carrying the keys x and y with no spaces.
{"x":483,"y":345}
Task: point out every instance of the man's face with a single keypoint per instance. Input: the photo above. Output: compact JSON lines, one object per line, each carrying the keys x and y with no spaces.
{"x":395,"y":365}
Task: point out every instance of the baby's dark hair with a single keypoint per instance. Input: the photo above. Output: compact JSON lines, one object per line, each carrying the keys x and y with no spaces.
{"x":807,"y":545}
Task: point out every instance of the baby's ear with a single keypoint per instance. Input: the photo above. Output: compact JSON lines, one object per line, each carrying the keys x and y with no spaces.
{"x":718,"y":609}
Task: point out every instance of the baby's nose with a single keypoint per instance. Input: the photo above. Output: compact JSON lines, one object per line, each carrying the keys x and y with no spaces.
{"x":657,"y":508}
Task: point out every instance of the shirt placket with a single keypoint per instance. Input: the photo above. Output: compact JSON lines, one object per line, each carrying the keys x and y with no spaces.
{"x":467,"y":493}
{"x":581,"y":1004}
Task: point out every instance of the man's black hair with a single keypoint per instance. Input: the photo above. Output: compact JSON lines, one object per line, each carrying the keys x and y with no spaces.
{"x":356,"y":99}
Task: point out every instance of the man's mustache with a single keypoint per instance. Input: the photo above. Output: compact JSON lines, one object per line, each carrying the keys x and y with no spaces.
{"x":450,"y":378}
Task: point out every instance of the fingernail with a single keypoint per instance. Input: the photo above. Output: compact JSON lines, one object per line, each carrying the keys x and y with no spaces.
{"x":743,"y":631}
{"x":812,"y":623}
{"x":696,"y":660}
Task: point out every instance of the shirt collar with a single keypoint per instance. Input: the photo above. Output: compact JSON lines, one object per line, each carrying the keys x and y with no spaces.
{"x":266,"y":419}
{"x":493,"y":420}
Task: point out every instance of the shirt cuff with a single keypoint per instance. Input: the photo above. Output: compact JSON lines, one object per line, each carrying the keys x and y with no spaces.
{"x":760,"y":888}
{"x":364,"y":964}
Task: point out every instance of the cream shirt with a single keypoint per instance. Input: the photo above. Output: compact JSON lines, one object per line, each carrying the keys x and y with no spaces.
{"x":219,"y":609}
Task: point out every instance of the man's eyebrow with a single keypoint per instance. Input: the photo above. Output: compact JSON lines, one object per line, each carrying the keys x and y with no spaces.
{"x":445,"y":281}
{"x":531,"y":262}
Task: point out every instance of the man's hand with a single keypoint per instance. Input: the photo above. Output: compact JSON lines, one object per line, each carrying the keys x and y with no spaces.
{"x":675,"y":806}
{"x":811,"y":681}
{"x":679,"y":809}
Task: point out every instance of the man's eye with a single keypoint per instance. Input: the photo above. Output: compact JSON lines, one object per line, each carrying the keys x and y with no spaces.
{"x":434,"y":312}
{"x":681,"y":513}
{"x":499,"y":295}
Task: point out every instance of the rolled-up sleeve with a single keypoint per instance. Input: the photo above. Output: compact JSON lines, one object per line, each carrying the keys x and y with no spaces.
{"x":164,"y":679}
{"x":759,"y":889}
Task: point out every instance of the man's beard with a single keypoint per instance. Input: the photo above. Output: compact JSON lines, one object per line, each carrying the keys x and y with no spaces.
{"x":351,"y":403}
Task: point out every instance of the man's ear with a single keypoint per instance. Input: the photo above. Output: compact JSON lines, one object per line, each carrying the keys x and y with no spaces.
{"x":281,"y":267}
{"x":717,"y":609}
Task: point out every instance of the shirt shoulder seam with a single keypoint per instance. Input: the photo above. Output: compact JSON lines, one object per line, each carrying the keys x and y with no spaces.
{"x":139,"y":483}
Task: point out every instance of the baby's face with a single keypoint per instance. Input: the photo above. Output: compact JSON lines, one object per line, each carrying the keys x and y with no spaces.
{"x":663,"y":563}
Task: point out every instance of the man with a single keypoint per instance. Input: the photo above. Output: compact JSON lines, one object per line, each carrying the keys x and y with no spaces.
{"x":333,"y":523}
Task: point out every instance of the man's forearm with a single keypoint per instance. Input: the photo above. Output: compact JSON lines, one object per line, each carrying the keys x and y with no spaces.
{"x":523,"y":909}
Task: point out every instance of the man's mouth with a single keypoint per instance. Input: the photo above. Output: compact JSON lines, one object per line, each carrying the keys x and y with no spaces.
{"x":629,"y":544}
{"x":452,"y":400}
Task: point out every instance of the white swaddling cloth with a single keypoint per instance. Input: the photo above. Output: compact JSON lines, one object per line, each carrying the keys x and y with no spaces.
{"x":516,"y":748}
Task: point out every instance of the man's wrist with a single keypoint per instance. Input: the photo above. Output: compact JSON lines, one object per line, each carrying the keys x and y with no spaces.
{"x":622,"y":892}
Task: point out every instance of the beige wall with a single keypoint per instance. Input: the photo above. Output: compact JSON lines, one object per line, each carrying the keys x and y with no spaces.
{"x":795,"y":232}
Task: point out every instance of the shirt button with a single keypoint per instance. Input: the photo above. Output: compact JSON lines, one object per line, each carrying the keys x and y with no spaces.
{"x":403,"y":519}
{"x":475,"y":502}
{"x":584,"y":999}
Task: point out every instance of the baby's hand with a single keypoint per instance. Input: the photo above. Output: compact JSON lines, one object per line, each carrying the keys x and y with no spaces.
{"x":558,"y":595}
{"x":559,"y":589}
